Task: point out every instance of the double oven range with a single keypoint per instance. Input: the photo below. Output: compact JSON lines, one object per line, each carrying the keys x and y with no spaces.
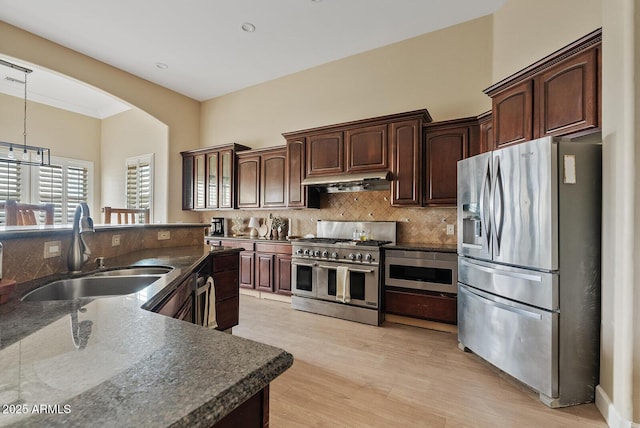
{"x":339,"y":272}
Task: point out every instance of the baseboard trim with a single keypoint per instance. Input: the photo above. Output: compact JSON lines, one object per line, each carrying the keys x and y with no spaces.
{"x":609,"y":411}
{"x":263,"y":295}
{"x":416,"y":322}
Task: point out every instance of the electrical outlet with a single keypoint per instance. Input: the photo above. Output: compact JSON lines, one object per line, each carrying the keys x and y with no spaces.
{"x":52,"y":249}
{"x":115,"y":240}
{"x":451,"y":229}
{"x":163,"y":235}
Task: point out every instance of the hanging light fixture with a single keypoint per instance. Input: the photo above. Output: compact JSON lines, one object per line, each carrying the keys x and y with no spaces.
{"x":23,"y":153}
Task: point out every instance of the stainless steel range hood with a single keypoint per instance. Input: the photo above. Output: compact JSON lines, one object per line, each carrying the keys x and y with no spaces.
{"x":351,"y":182}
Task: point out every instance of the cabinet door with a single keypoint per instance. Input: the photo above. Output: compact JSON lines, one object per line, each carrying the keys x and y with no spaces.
{"x":567,"y":96}
{"x":367,"y":149}
{"x":273,"y":188}
{"x":513,"y":115}
{"x":444,"y":149}
{"x":264,"y":271}
{"x":249,"y":182}
{"x":486,"y":137}
{"x":200,"y":186}
{"x":226,"y":190}
{"x":212,"y":180}
{"x":187,"y":182}
{"x":282,"y":275}
{"x":246,"y":269}
{"x":406,"y":163}
{"x":325,"y":154}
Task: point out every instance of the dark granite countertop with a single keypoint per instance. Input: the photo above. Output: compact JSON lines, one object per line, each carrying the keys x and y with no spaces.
{"x":109,"y":362}
{"x":440,"y":248}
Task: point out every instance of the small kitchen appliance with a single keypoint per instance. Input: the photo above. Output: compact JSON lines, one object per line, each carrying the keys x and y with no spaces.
{"x":217,"y":226}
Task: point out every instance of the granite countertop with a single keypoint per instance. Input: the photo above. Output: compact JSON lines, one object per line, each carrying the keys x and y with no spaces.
{"x":109,"y":362}
{"x":440,"y":248}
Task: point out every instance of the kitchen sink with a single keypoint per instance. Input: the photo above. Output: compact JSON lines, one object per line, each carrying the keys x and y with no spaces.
{"x":135,"y":270}
{"x":91,"y":287}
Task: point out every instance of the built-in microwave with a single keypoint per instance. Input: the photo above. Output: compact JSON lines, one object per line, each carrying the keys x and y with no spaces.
{"x":422,"y":270}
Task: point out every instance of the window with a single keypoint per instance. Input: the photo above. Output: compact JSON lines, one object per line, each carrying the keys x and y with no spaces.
{"x":140,"y":183}
{"x":64,"y":184}
{"x":10,"y":184}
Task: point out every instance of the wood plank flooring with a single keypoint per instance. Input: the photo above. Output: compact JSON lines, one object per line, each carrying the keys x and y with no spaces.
{"x":347,"y":374}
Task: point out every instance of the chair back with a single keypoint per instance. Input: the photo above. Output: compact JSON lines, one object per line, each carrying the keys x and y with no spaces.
{"x":126,"y":215}
{"x":19,"y":214}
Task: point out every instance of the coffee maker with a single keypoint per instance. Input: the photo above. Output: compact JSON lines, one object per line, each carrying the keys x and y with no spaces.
{"x":217,"y":226}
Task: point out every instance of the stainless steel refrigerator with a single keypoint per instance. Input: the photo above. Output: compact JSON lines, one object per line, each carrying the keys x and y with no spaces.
{"x":529,"y":264}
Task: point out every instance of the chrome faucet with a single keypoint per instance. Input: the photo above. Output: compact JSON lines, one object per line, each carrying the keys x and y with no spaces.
{"x":79,"y":253}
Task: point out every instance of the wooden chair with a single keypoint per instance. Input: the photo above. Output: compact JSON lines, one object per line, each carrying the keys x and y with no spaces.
{"x":125,"y":215}
{"x":19,"y":214}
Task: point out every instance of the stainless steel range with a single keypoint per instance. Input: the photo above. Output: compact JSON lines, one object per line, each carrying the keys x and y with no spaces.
{"x":338,"y":273}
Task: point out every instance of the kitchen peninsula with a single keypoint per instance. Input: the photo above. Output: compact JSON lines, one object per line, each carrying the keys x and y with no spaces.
{"x":110,"y":361}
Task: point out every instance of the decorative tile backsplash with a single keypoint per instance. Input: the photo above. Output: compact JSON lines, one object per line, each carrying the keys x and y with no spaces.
{"x":415,"y":225}
{"x":23,"y":258}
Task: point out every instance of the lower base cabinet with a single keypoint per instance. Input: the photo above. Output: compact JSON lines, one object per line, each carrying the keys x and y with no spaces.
{"x":253,"y":413}
{"x":440,"y":307}
{"x":182,"y":304}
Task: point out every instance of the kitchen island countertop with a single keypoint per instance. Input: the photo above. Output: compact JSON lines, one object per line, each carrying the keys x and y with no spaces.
{"x":109,"y":362}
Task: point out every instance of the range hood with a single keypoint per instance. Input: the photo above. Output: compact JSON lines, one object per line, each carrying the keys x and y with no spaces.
{"x":351,"y":182}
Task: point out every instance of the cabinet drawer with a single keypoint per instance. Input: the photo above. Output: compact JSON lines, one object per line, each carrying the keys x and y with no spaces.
{"x":273,"y":248}
{"x":226,"y":284}
{"x":177,"y":299}
{"x":227,"y":313}
{"x":418,"y":305}
{"x":223,"y":263}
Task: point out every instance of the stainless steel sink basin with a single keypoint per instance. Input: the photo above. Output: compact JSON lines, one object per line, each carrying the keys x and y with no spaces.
{"x":90,"y":286}
{"x":135,"y":270}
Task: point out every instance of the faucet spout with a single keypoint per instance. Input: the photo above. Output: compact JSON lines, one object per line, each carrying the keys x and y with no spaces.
{"x":79,"y":253}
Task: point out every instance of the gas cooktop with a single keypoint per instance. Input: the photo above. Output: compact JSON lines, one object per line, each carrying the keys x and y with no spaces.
{"x":334,"y":241}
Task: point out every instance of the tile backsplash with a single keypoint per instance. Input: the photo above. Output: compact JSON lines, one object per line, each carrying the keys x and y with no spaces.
{"x":415,"y":225}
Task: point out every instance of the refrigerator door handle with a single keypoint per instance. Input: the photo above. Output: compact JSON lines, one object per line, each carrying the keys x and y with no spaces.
{"x":485,"y":195}
{"x":498,"y":205}
{"x":521,"y":312}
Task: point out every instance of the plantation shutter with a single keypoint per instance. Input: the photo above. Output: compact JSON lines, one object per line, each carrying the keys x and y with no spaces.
{"x":10,"y":185}
{"x":64,"y":187}
{"x":139,"y":183}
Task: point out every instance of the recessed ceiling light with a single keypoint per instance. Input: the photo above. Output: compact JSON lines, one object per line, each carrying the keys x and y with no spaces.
{"x":248,"y":27}
{"x":162,"y":65}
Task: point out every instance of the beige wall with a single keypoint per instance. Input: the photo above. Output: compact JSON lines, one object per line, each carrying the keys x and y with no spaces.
{"x":181,"y":114}
{"x":67,"y":134}
{"x":525,"y":31}
{"x":444,"y":71}
{"x":129,"y":134}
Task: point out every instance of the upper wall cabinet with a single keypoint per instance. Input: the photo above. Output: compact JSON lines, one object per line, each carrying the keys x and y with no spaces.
{"x":387,"y":143}
{"x":445,"y":144}
{"x":299,"y":196}
{"x":208,"y":177}
{"x":558,"y":95}
{"x":262,"y":178}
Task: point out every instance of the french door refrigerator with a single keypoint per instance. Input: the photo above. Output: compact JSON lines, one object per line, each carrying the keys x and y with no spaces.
{"x":529,"y":220}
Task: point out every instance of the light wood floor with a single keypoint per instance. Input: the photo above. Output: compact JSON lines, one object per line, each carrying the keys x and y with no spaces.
{"x":347,"y":374}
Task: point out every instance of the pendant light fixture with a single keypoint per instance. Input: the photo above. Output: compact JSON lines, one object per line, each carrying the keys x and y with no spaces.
{"x":23,"y":153}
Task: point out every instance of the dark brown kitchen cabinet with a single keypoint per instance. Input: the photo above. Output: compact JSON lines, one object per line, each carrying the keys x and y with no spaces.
{"x":406,"y":163}
{"x":558,"y":95}
{"x":325,"y":154}
{"x":440,"y":307}
{"x":273,"y":267}
{"x":445,"y":144}
{"x":485,"y":144}
{"x":299,"y":196}
{"x":246,"y":269}
{"x":248,"y":180}
{"x":208,"y":177}
{"x":366,"y":148}
{"x":225,"y":276}
{"x":273,"y":188}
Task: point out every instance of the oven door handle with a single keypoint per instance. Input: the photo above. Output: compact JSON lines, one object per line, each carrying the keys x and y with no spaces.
{"x":304,"y":264}
{"x":350,"y":269}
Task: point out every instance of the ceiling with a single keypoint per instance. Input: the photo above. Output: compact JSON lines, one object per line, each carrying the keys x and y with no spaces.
{"x":207,"y":53}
